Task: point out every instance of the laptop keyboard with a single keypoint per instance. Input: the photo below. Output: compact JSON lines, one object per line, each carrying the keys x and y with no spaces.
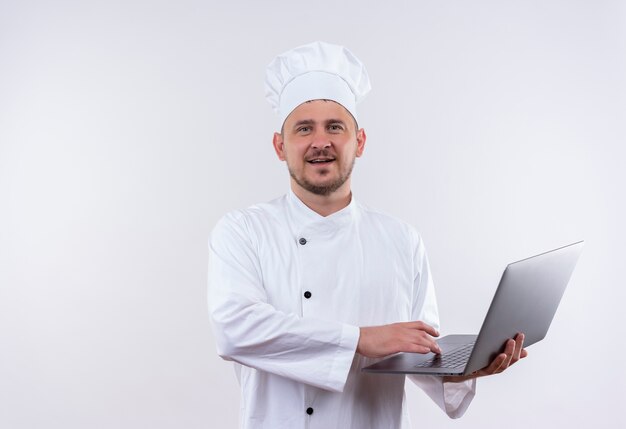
{"x":454,"y":359}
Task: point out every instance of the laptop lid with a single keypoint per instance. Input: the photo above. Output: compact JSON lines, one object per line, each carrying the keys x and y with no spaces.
{"x":525,"y":301}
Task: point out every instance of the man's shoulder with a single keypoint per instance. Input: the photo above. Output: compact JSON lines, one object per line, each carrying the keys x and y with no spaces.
{"x":242,"y":218}
{"x":387,"y":222}
{"x":377,"y":215}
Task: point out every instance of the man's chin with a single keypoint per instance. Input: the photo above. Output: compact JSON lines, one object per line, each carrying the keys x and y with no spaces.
{"x":321,"y":183}
{"x":318,"y":185}
{"x":323,"y":188}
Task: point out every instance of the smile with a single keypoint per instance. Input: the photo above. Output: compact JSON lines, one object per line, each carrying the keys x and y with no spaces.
{"x":321,"y":160}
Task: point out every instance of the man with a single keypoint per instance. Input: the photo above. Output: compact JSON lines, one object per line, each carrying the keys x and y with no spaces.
{"x":311,"y":287}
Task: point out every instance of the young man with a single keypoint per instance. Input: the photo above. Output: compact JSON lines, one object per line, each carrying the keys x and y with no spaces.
{"x":307,"y":289}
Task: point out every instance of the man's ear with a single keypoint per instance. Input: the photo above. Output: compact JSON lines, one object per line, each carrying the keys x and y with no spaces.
{"x":279,"y":145}
{"x":360,"y":142}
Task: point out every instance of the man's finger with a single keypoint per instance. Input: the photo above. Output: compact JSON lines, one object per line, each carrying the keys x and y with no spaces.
{"x":422,"y":338}
{"x":417,"y":348}
{"x":495,"y":365}
{"x":422,"y":327}
{"x":509,"y":349}
{"x":519,"y":345}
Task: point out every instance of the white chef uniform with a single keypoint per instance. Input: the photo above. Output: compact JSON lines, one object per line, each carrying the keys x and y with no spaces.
{"x":288,"y":291}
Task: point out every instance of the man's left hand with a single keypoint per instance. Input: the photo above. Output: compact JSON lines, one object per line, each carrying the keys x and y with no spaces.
{"x":513,"y":351}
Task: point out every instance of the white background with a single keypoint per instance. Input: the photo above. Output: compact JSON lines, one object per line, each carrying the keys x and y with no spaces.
{"x":127,"y":128}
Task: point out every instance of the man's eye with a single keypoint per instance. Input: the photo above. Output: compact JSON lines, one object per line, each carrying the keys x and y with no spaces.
{"x":335,"y":127}
{"x":303,"y":129}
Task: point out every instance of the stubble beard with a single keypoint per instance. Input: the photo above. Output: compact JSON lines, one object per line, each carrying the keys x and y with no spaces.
{"x":322,"y":190}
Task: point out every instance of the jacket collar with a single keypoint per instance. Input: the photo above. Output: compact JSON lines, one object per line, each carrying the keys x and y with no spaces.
{"x":303,"y":217}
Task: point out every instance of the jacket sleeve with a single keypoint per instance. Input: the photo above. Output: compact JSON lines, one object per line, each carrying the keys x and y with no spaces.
{"x":452,"y":398}
{"x":250,"y":331}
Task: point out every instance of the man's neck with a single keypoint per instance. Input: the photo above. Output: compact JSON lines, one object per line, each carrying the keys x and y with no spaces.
{"x":324,"y":205}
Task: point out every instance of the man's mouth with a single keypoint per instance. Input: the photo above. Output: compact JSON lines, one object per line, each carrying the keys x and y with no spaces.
{"x":320,"y":160}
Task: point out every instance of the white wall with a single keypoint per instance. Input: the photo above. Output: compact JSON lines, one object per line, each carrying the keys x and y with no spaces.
{"x":128,"y":128}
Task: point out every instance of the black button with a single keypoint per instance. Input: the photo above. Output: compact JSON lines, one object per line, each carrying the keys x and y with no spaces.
{"x":309,"y":411}
{"x":303,"y":241}
{"x":307,"y":294}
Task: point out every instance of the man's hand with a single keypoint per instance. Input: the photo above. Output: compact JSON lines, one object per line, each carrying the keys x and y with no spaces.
{"x":513,"y":351}
{"x":381,"y":341}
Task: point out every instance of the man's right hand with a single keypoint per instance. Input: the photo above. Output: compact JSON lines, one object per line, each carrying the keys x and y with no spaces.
{"x":381,"y":341}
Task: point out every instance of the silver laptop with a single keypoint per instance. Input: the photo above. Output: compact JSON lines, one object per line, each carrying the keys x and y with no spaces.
{"x":525,"y":301}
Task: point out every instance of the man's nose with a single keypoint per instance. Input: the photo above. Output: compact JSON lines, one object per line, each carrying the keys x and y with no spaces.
{"x":320,"y":139}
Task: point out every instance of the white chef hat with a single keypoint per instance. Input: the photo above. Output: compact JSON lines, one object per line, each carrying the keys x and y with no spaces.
{"x":315,"y":71}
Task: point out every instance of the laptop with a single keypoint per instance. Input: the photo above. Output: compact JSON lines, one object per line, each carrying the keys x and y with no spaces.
{"x":525,"y":301}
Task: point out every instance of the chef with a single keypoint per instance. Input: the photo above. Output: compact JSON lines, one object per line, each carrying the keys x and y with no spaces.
{"x":307,"y":289}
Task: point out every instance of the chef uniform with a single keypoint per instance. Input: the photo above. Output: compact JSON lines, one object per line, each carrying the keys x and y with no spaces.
{"x":289,"y":288}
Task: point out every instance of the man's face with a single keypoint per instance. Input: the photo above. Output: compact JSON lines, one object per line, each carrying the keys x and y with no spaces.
{"x":320,"y":143}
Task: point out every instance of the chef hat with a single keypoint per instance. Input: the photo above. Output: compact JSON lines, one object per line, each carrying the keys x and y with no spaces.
{"x":315,"y":71}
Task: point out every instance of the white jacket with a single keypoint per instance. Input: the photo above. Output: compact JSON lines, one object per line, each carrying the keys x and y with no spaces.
{"x":288,"y":291}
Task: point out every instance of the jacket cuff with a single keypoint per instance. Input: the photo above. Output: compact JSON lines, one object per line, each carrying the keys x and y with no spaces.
{"x":344,"y":357}
{"x":452,"y":398}
{"x":458,"y":396}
